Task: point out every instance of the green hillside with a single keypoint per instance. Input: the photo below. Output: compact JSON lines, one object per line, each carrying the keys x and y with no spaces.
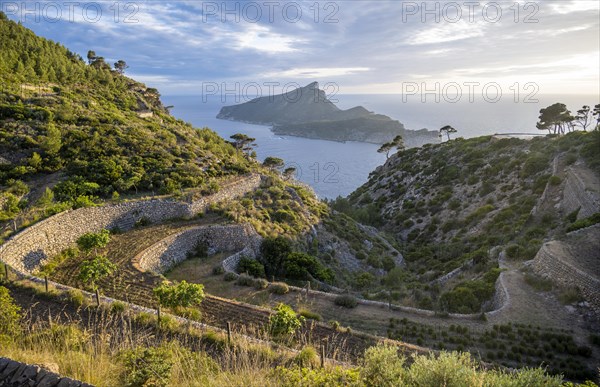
{"x":78,"y":127}
{"x":458,"y":204}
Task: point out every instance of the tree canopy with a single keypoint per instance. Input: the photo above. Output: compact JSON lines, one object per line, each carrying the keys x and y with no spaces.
{"x":555,"y":118}
{"x":448,"y":130}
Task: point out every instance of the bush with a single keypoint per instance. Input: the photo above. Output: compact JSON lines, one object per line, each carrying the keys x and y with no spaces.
{"x":307,"y":357}
{"x":76,"y":297}
{"x":244,"y":280}
{"x":310,"y":315}
{"x":382,"y":366}
{"x":279,"y":288}
{"x":554,"y":180}
{"x":147,"y":366}
{"x":252,"y":267}
{"x":142,"y":222}
{"x":117,"y":307}
{"x":337,"y":376}
{"x":218,"y":270}
{"x":261,"y":283}
{"x":284,"y":321}
{"x":583,"y":223}
{"x":346,"y":300}
{"x":229,"y":276}
{"x":182,"y":294}
{"x":10,"y":317}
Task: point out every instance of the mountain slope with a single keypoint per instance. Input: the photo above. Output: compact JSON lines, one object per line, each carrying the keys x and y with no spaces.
{"x":90,"y":133}
{"x":457,"y":205}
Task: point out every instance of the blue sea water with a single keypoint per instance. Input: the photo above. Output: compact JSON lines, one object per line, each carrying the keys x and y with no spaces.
{"x":334,"y":168}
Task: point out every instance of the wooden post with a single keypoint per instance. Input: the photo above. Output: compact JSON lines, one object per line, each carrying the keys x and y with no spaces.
{"x":322,"y":355}
{"x":6,"y":271}
{"x":158,"y":315}
{"x":228,"y":333}
{"x":307,"y":288}
{"x":272,"y":278}
{"x":97,"y":297}
{"x":46,"y":282}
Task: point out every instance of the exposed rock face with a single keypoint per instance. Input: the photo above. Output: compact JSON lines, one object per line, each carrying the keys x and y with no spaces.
{"x":306,"y":112}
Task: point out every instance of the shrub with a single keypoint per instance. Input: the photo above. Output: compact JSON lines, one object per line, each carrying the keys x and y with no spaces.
{"x":583,"y":223}
{"x":307,"y":357}
{"x":117,"y":307}
{"x":252,"y":267}
{"x":513,"y":251}
{"x":182,"y":294}
{"x":218,"y":270}
{"x":337,"y":376}
{"x":284,"y":321}
{"x":229,"y":276}
{"x":335,"y":324}
{"x":346,"y":300}
{"x":383,"y":367}
{"x":147,"y":366}
{"x":570,"y":295}
{"x":309,"y":314}
{"x":554,"y":180}
{"x":94,"y":270}
{"x":261,"y":283}
{"x":10,"y":317}
{"x":76,"y":297}
{"x":279,"y":288}
{"x":200,"y":250}
{"x":244,"y":280}
{"x":142,"y":222}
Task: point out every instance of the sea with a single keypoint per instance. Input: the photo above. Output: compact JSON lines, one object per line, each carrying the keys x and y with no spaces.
{"x":335,"y":169}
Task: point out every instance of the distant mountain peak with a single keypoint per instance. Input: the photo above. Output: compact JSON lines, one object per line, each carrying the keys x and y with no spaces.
{"x":307,"y":112}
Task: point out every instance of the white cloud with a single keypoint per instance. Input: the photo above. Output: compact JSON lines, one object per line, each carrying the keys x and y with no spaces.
{"x":447,"y":32}
{"x":322,"y":72}
{"x":259,"y":38}
{"x":573,"y":6}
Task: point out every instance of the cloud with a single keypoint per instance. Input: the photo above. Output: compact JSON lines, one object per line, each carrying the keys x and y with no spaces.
{"x":367,"y":46}
{"x":323,"y":72}
{"x":448,"y":32}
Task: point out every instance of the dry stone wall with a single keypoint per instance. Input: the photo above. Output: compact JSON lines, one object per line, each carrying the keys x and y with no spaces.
{"x":14,"y":373}
{"x":29,"y":249}
{"x":548,"y":263}
{"x":174,"y":249}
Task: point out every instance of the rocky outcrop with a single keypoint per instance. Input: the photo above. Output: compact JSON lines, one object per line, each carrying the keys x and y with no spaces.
{"x":581,"y":191}
{"x":29,"y":249}
{"x":16,"y":374}
{"x":306,"y":112}
{"x":174,"y":249}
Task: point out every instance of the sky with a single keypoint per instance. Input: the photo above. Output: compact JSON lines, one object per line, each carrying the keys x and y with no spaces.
{"x":351,"y":47}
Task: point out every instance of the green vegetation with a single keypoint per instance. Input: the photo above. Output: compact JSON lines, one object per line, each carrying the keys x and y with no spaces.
{"x":454,"y":207}
{"x":284,"y":322}
{"x":182,"y":294}
{"x":511,"y":345}
{"x":279,"y":207}
{"x":76,"y":124}
{"x":279,"y":260}
{"x":252,"y":267}
{"x":10,"y":316}
{"x":96,"y":269}
{"x":347,"y":301}
{"x":583,"y":223}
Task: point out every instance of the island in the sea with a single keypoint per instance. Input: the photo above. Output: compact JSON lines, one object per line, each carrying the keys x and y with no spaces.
{"x":307,"y":112}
